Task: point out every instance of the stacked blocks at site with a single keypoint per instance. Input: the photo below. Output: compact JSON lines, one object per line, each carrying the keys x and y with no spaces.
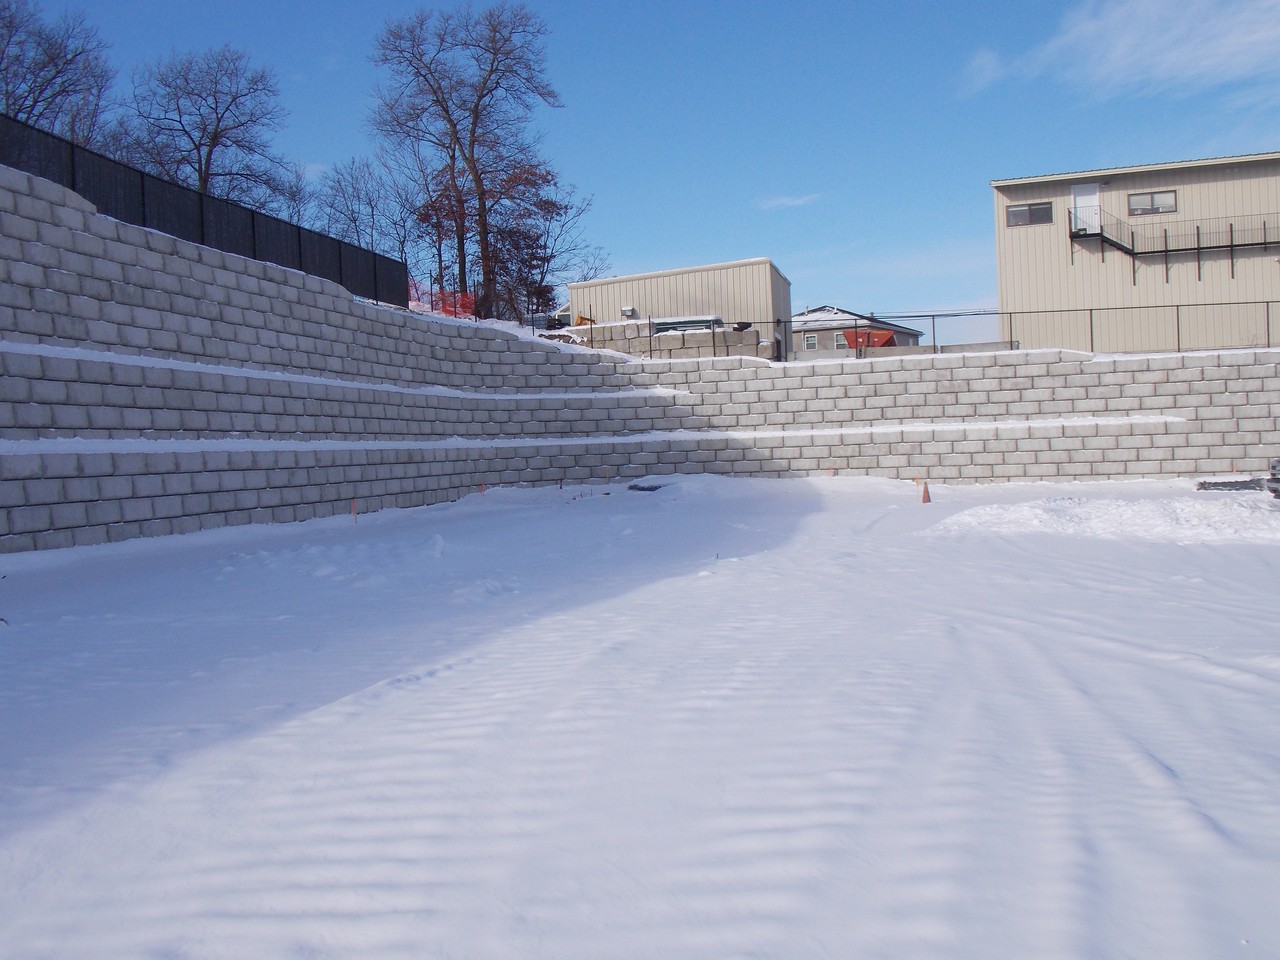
{"x":154,"y":386}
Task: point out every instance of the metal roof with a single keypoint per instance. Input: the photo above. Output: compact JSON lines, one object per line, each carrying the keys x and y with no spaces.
{"x":679,"y":270}
{"x":1143,"y":168}
{"x":836,"y":318}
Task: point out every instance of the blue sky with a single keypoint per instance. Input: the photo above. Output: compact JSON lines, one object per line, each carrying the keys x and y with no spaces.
{"x":853,"y":143}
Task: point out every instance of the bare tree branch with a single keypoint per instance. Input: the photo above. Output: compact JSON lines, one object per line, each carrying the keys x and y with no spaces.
{"x":53,"y":75}
{"x":466,"y":83}
{"x":205,"y":120}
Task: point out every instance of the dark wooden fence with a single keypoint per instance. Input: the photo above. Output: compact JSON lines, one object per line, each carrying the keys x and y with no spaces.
{"x":128,"y":194}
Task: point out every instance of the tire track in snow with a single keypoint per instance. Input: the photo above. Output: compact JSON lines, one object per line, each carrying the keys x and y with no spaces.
{"x":780,"y":758}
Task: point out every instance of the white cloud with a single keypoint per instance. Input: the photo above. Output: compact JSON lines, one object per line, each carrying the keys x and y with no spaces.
{"x":786,"y":202}
{"x":1150,"y":46}
{"x":984,"y":69}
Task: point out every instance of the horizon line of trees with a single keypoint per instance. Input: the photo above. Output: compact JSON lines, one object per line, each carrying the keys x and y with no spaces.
{"x":456,"y":186}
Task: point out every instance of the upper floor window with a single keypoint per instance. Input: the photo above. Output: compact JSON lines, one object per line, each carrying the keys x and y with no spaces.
{"x":1163,"y":201}
{"x":1021,"y":214}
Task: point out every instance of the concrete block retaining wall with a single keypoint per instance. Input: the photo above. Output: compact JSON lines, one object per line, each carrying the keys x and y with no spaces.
{"x":151,"y":386}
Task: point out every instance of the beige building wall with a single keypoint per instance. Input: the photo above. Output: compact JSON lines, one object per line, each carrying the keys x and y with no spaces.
{"x":1150,"y":302}
{"x":750,"y":291}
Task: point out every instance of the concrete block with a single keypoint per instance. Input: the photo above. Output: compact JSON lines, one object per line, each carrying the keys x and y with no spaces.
{"x":30,"y":519}
{"x":69,"y":515}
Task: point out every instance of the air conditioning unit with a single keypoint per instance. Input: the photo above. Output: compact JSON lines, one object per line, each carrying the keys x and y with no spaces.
{"x":628,"y":311}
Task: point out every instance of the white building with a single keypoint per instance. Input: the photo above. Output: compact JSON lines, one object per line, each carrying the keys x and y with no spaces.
{"x":828,"y":331}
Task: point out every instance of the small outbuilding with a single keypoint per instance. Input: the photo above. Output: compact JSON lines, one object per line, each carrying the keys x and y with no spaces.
{"x":740,"y":308}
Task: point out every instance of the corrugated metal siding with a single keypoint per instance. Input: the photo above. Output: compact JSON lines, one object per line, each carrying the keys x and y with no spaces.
{"x":1040,"y":268}
{"x":752,"y":291}
{"x":781,"y":292}
{"x":1243,"y":324}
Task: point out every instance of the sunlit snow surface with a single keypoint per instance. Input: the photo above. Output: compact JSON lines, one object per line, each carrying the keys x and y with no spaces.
{"x":726,"y":718}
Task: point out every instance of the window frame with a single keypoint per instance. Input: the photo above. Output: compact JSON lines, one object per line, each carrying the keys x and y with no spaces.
{"x":810,"y":341}
{"x":1045,"y":206}
{"x":1152,"y":209}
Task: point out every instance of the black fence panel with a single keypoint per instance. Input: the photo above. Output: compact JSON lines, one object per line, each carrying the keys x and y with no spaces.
{"x":172,"y":209}
{"x":321,"y":255}
{"x":357,"y":271}
{"x":112,"y":187}
{"x":392,"y":280}
{"x":128,"y":194}
{"x":34,"y":151}
{"x":277,"y":241}
{"x":228,"y":227}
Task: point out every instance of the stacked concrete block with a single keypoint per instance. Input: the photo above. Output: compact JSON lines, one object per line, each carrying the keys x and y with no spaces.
{"x":636,"y":339}
{"x":56,"y":392}
{"x":78,"y":279}
{"x":152,"y":386}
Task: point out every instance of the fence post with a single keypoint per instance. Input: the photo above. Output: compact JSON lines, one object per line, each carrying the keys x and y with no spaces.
{"x":1091,"y":347}
{"x":1177,"y":322}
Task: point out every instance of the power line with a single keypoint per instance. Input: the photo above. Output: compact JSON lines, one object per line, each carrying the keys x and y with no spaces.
{"x":938,"y":314}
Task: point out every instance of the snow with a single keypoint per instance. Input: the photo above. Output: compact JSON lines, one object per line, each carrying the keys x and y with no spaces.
{"x":724,"y":718}
{"x":970,"y":428}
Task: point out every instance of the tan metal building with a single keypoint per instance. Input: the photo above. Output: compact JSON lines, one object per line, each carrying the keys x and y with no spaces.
{"x":751,"y":292}
{"x":1176,"y":256}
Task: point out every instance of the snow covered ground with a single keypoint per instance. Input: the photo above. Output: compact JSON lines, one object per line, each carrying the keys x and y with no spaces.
{"x":722,"y":719}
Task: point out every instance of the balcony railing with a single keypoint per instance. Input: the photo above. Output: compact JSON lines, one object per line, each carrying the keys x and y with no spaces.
{"x":1175,"y":236}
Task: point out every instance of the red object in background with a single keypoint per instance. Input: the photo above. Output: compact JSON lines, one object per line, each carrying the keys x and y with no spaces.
{"x":455,"y":304}
{"x":861,"y":339}
{"x":449,"y":302}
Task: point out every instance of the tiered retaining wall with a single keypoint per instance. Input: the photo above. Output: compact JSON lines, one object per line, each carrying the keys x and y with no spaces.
{"x":151,"y":386}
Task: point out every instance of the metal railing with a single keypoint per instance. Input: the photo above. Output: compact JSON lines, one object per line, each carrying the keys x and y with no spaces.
{"x":127,"y":194}
{"x":1175,"y":236}
{"x":1096,"y":222}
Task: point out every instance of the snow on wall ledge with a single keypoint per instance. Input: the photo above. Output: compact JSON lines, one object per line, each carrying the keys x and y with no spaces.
{"x":151,"y":386}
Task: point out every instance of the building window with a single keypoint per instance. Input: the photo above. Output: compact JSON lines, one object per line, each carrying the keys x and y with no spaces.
{"x":841,"y":342}
{"x":1021,"y":214}
{"x":1164,"y":201}
{"x":811,"y":341}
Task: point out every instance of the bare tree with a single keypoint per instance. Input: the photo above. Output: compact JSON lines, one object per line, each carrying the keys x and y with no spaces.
{"x":539,"y":229}
{"x":205,"y":120}
{"x":53,"y":75}
{"x":294,"y":197}
{"x":350,"y":197}
{"x":378,"y":203}
{"x":466,"y":83}
{"x":420,"y":225}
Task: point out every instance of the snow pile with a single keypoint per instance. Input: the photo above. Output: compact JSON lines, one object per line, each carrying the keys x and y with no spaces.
{"x":1255,"y":519}
{"x":716,"y":718}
